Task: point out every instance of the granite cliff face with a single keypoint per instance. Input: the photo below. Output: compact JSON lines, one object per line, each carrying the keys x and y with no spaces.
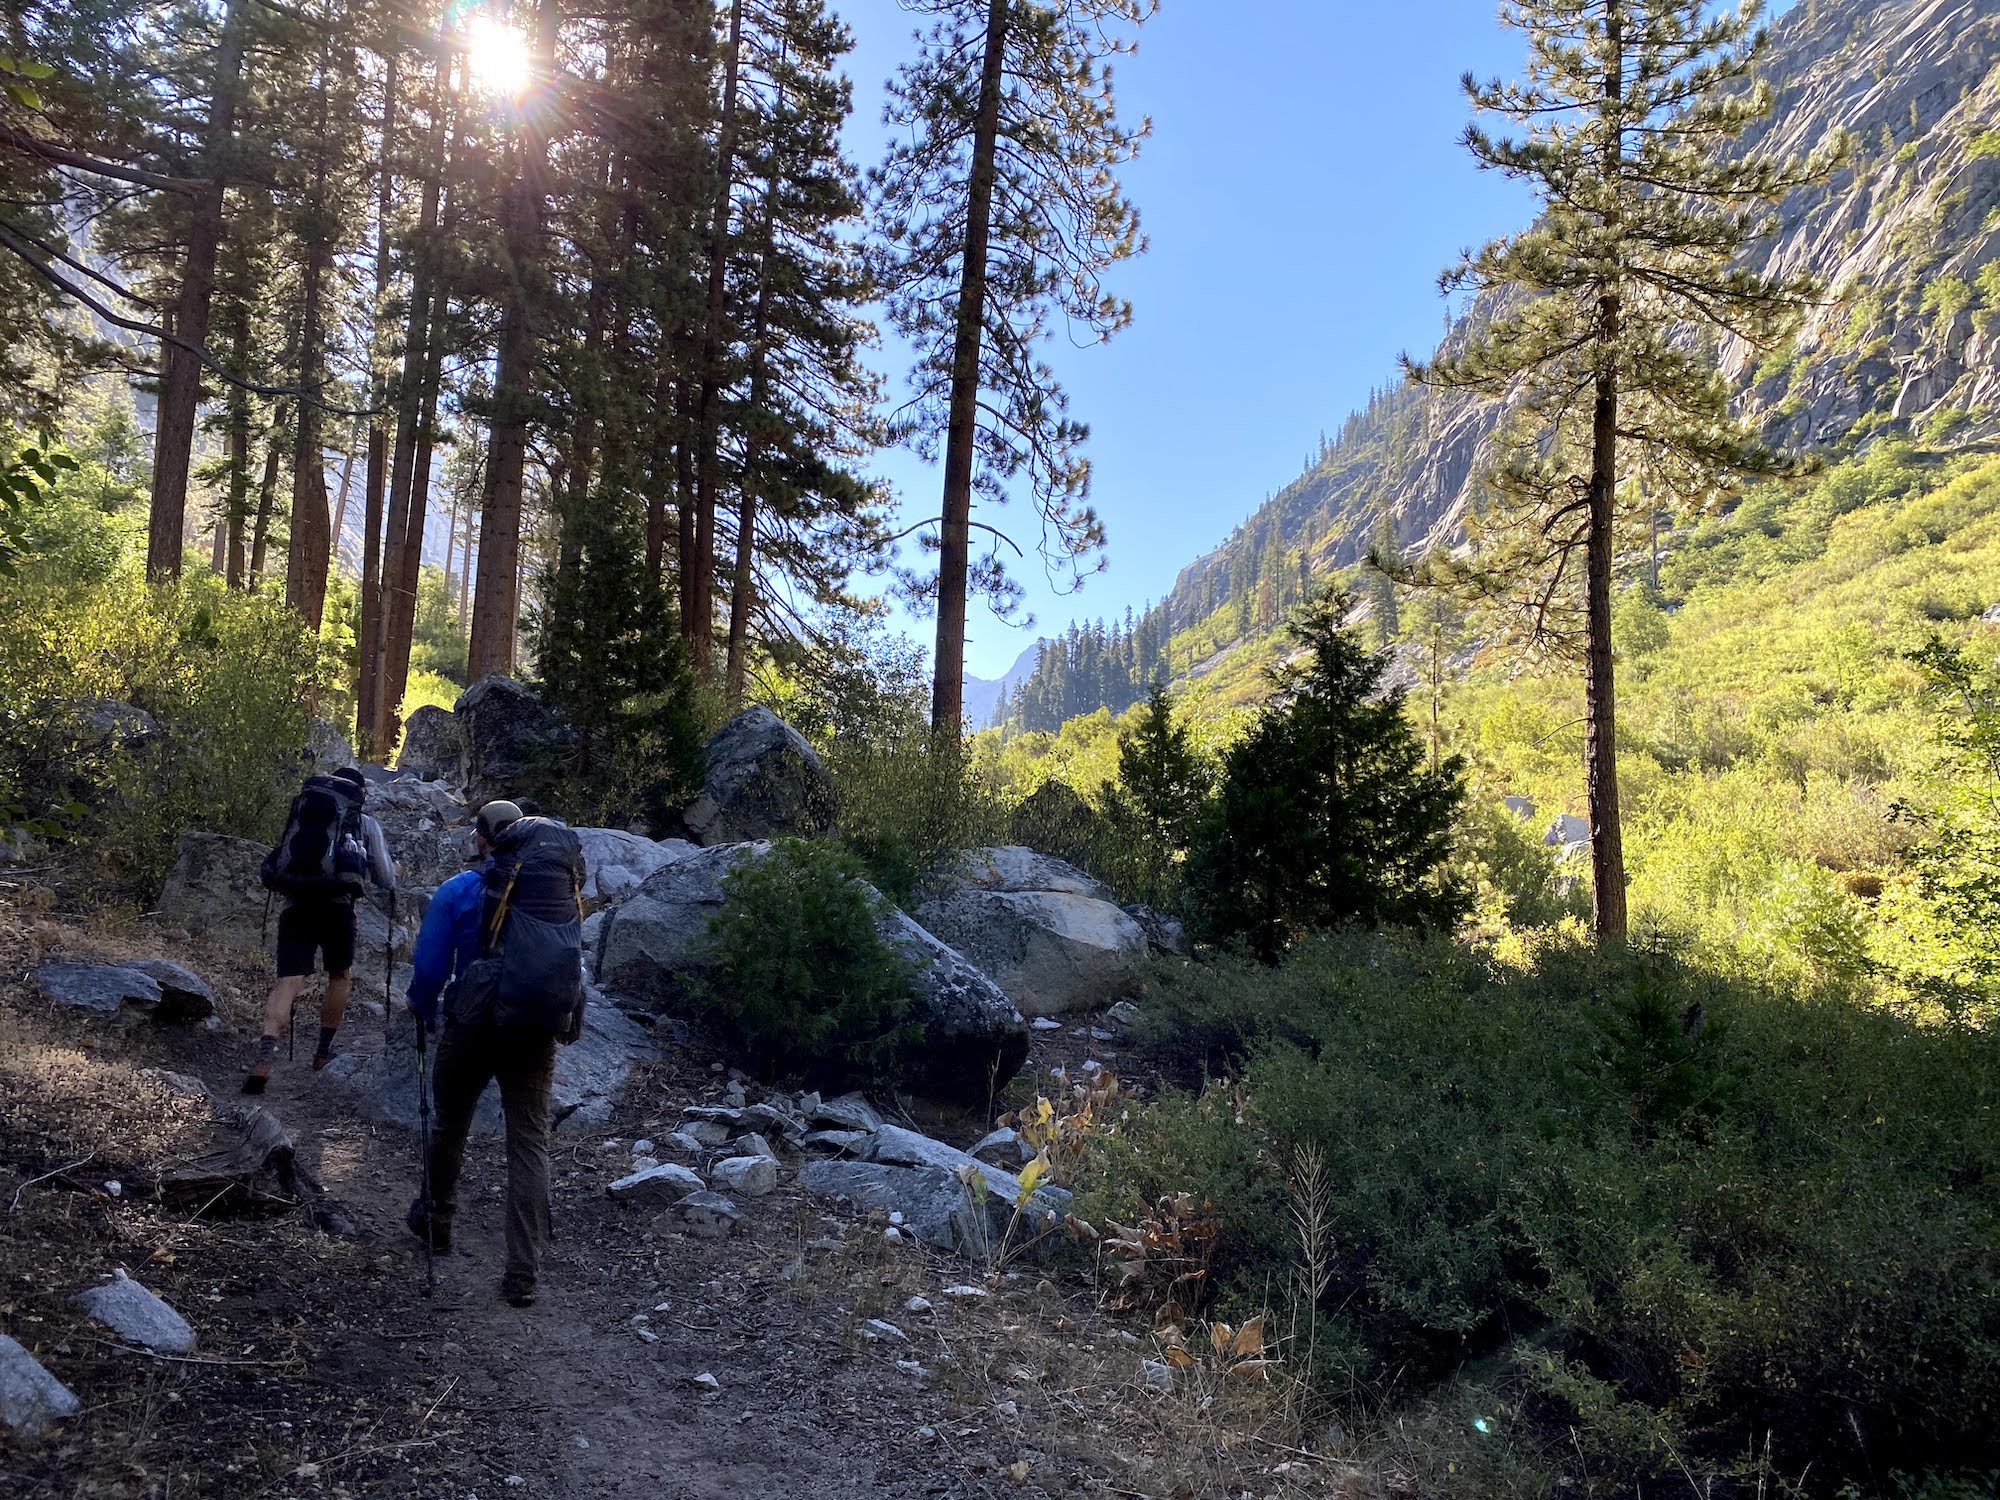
{"x":1905,"y":339}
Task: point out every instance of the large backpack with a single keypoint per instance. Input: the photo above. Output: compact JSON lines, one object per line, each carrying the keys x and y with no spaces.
{"x":529,"y":975}
{"x":321,"y":852}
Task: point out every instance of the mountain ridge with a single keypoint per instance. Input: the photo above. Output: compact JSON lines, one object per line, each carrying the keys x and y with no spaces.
{"x":1905,"y":237}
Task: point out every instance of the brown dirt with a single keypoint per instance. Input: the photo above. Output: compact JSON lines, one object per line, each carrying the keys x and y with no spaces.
{"x":324,"y":1370}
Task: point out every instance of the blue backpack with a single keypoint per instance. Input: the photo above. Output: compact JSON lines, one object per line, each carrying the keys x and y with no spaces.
{"x":529,"y":973}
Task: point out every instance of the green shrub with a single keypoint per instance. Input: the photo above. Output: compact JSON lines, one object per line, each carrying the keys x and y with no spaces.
{"x":804,"y":985}
{"x":1679,"y":1217}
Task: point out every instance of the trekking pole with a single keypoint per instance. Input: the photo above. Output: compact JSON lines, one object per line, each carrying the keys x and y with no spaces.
{"x":388,"y":955}
{"x":424,"y":1134}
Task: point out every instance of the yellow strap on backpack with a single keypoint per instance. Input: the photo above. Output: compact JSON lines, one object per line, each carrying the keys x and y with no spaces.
{"x":500,"y":911}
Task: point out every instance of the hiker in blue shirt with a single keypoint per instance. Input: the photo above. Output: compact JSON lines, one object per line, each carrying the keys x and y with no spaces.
{"x":473,"y":1052}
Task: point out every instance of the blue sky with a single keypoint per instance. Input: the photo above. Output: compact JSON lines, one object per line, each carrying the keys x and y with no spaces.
{"x":1302,"y":188}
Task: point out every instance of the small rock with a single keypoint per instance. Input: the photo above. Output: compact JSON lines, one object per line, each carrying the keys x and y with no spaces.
{"x":705,"y":1132}
{"x":754,"y":1144}
{"x":136,"y":1315}
{"x":848,"y":1112}
{"x":657,"y":1186}
{"x":892,"y":1235}
{"x":30,"y":1397}
{"x":646,"y":1335}
{"x":1046,"y":1023}
{"x":912,"y":1367}
{"x":642,"y":1148}
{"x":1099,"y":1034}
{"x":1008,"y":1409}
{"x":917,"y":1305}
{"x":711,"y":1216}
{"x":965,"y":1293}
{"x":752,"y":1176}
{"x":1123,"y":1016}
{"x":514,"y":1482}
{"x":1157,"y":1373}
{"x":705,"y":1381}
{"x":115,"y":1188}
{"x":1003,"y":1148}
{"x":683,"y":1140}
{"x":875,"y":1330}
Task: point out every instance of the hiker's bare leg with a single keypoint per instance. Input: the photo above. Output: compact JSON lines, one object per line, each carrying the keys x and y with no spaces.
{"x":278,"y":1009}
{"x":333,"y":1010}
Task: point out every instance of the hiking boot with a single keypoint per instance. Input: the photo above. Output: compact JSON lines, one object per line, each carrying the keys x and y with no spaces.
{"x":257,"y":1079}
{"x":518,"y":1290}
{"x":426,"y":1226}
{"x":321,"y":1059}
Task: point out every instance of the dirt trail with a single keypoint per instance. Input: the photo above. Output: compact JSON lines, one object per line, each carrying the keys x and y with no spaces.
{"x":324,"y":1371}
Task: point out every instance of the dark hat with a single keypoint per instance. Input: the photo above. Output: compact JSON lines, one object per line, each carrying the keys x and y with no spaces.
{"x":351,"y":775}
{"x":495,"y":816}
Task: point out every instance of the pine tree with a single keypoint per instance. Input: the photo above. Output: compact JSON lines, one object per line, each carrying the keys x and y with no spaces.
{"x":1619,"y":292}
{"x":1327,"y":812}
{"x":1000,"y":214}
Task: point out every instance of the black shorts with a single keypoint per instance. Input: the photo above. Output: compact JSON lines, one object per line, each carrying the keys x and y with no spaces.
{"x":309,"y":927}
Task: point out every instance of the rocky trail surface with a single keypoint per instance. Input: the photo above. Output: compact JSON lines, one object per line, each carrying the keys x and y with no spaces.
{"x":817,"y":1350}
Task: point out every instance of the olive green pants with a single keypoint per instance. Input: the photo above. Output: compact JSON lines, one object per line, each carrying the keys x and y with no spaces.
{"x":469,"y":1058}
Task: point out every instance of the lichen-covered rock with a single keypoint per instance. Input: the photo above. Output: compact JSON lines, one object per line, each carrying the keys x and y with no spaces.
{"x":763,"y":781}
{"x":616,"y":861}
{"x":431,"y":748}
{"x":510,"y":740}
{"x":1046,"y":932}
{"x":649,"y":942}
{"x":1167,"y":936}
{"x":326,"y":749}
{"x":112,"y":991}
{"x":427,"y":827}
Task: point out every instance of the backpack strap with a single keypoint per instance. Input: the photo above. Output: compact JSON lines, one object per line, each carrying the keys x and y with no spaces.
{"x":500,"y":911}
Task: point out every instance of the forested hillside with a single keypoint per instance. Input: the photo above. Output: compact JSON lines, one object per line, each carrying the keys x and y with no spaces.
{"x":1905,"y":240}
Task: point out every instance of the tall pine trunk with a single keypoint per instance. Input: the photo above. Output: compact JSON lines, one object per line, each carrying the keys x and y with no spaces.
{"x":267,"y":500}
{"x":306,"y":563}
{"x":420,"y":337}
{"x":742,"y":593}
{"x":962,"y":422}
{"x":1600,"y":736}
{"x":375,"y":482}
{"x":700,"y":610}
{"x":399,"y":621}
{"x":237,"y":503}
{"x":180,"y":389}
{"x":496,"y":606}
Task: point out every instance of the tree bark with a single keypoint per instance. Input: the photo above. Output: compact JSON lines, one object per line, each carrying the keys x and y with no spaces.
{"x":180,"y":390}
{"x":684,"y":549}
{"x":267,"y":499}
{"x":962,"y":422}
{"x":1600,"y":741}
{"x":496,"y":606}
{"x":700,"y":612}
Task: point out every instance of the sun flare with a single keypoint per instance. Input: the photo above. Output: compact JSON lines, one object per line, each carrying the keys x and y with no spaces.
{"x":496,"y":54}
